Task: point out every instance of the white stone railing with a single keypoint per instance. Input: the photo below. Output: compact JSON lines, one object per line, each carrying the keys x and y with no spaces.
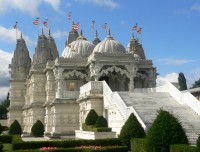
{"x":114,"y":98}
{"x":90,"y":87}
{"x":71,"y":94}
{"x":181,"y":98}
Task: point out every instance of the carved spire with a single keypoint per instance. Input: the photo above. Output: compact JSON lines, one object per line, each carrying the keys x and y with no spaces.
{"x":81,"y":33}
{"x":109,"y":32}
{"x":96,"y":34}
{"x":96,"y":39}
{"x":49,"y":32}
{"x":42,"y":31}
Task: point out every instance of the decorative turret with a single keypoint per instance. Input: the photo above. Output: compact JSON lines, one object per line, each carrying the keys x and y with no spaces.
{"x":53,"y":47}
{"x":73,"y":35}
{"x":96,"y":39}
{"x":21,"y":61}
{"x":45,"y":50}
{"x":136,"y":48}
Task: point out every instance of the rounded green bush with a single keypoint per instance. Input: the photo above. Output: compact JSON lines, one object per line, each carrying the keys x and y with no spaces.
{"x":198,"y":144}
{"x":15,"y":128}
{"x":91,"y":117}
{"x":165,"y":131}
{"x":37,"y":129}
{"x":131,"y":129}
{"x":101,"y":122}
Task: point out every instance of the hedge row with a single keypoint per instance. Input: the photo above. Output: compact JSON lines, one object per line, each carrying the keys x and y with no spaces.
{"x":182,"y":148}
{"x":103,"y":149}
{"x":93,"y":128}
{"x":6,"y":139}
{"x":66,"y":143}
{"x":139,"y":145}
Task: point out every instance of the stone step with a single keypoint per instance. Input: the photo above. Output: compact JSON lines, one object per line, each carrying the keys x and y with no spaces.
{"x":147,"y":106}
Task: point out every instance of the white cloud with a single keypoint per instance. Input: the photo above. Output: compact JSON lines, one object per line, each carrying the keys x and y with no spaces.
{"x":9,"y":36}
{"x":195,"y":7}
{"x":171,"y":77}
{"x":107,"y":3}
{"x":55,"y":4}
{"x":171,"y":61}
{"x":60,"y":34}
{"x":27,"y":6}
{"x":3,"y":92}
{"x":5,"y":59}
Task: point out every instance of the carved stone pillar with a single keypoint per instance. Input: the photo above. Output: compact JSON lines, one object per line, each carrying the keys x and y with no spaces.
{"x":132,"y":69}
{"x":58,"y":77}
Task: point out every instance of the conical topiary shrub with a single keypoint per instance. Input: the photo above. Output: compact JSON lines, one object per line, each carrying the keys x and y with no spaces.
{"x":91,"y":117}
{"x":198,"y":144}
{"x":131,"y":129}
{"x":37,"y":129}
{"x":101,"y":122}
{"x":15,"y":128}
{"x":165,"y":130}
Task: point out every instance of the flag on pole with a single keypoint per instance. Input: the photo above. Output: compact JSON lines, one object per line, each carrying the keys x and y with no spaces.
{"x":46,"y":22}
{"x":75,"y":26}
{"x":69,"y":16}
{"x":35,"y":22}
{"x":139,"y":30}
{"x":15,"y":26}
{"x":135,"y":27}
{"x":104,"y":26}
{"x":92,"y":26}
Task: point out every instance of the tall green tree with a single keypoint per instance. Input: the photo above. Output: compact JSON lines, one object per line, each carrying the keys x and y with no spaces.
{"x":3,"y":107}
{"x":196,"y":84}
{"x":182,"y":82}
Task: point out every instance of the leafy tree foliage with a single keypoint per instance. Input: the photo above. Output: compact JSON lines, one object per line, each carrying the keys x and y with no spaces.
{"x":37,"y":129}
{"x":91,"y":117}
{"x":101,"y":122}
{"x":3,"y":107}
{"x":196,"y":84}
{"x":182,"y":82}
{"x":198,"y":144}
{"x":131,"y":129}
{"x":165,"y":130}
{"x":15,"y":128}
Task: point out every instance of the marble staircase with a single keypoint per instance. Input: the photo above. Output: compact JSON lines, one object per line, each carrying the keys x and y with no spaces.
{"x":147,"y":105}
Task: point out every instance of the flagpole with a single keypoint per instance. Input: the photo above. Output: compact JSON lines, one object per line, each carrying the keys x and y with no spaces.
{"x":38,"y":26}
{"x":16,"y":31}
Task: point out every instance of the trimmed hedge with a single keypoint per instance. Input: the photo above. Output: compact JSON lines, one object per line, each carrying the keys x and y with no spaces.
{"x":6,"y":139}
{"x":1,"y":129}
{"x":91,"y":117}
{"x":101,"y":122}
{"x":182,"y":148}
{"x":198,"y":144}
{"x":15,"y":128}
{"x":37,"y":129}
{"x":1,"y":146}
{"x":166,"y":130}
{"x":138,"y":144}
{"x":66,"y":143}
{"x":131,"y":129}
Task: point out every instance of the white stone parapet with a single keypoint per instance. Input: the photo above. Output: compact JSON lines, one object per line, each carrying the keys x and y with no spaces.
{"x":71,"y":94}
{"x":181,"y":97}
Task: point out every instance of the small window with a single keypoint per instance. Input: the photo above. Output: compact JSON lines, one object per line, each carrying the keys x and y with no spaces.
{"x":72,"y":86}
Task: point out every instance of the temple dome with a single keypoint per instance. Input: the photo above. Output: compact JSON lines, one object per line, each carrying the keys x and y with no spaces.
{"x":79,"y":48}
{"x":109,"y":45}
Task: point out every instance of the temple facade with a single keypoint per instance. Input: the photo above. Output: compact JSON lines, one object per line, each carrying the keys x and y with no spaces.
{"x":47,"y":88}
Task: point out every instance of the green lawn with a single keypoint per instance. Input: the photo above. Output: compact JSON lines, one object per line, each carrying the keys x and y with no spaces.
{"x":7,"y":147}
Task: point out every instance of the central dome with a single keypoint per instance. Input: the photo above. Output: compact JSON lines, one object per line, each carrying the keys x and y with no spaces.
{"x":79,"y":48}
{"x":109,"y":45}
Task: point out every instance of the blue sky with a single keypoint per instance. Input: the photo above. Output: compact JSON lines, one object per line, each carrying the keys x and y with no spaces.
{"x":170,"y":36}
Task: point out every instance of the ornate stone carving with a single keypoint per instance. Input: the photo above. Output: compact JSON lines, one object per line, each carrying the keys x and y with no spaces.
{"x":76,"y":73}
{"x":94,"y":70}
{"x":58,"y":76}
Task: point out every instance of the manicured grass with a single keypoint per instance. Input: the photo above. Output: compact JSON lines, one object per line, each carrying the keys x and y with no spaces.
{"x":7,"y":147}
